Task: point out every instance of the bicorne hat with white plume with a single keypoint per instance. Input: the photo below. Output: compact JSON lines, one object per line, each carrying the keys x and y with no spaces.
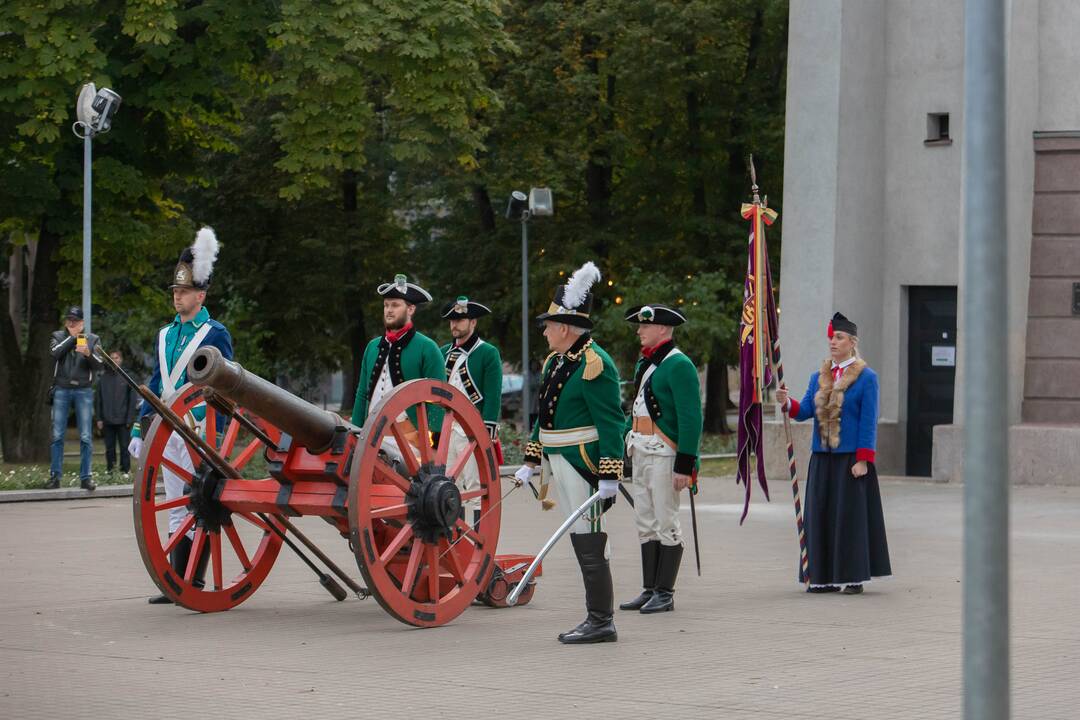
{"x":196,"y":263}
{"x":573,"y":301}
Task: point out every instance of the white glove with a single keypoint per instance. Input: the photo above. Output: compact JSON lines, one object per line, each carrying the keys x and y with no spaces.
{"x":523,"y":474}
{"x":608,"y":489}
{"x":135,"y":447}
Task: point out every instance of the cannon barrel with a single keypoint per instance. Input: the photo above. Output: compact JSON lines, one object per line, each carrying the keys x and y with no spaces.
{"x":309,"y":426}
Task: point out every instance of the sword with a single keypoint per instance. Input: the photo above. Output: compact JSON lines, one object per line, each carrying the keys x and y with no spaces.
{"x":693,"y":523}
{"x":512,"y":598}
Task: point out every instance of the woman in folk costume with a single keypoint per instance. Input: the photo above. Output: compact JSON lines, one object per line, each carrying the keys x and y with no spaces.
{"x":845,"y":526}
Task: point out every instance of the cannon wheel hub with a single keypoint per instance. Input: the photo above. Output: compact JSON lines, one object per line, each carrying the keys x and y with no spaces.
{"x":434,"y":506}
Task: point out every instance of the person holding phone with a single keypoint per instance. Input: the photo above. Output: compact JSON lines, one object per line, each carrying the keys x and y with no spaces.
{"x":74,"y":368}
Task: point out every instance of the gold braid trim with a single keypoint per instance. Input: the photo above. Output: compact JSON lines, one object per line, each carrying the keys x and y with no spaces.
{"x":534,"y":450}
{"x":610,"y":468}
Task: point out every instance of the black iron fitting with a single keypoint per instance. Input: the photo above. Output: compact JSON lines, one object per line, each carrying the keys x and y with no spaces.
{"x":205,"y":489}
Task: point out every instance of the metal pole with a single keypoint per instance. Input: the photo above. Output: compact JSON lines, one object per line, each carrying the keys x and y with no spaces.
{"x":525,"y":323}
{"x":985,"y":309}
{"x":86,"y":231}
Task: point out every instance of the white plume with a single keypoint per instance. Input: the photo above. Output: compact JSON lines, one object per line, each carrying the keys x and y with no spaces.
{"x":205,"y":251}
{"x":578,"y":285}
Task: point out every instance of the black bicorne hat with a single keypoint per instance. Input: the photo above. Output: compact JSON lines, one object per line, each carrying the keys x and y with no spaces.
{"x":655,"y":315}
{"x":464,"y":309}
{"x":402,"y":289}
{"x":573,"y":301}
{"x":839,"y":323}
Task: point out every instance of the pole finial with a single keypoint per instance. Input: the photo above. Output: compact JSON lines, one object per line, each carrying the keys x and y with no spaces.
{"x":753,"y":181}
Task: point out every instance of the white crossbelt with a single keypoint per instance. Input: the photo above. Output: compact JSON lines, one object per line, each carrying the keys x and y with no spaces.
{"x":171,"y":378}
{"x":569,"y":437}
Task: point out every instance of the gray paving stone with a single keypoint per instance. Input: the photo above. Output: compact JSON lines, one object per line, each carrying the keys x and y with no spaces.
{"x":77,"y":639}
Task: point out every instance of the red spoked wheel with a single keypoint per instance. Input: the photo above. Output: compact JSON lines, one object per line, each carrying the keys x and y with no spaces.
{"x":421,"y":560}
{"x":230,"y":553}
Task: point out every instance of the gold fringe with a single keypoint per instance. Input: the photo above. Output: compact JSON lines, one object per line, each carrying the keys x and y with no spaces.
{"x":594,"y":365}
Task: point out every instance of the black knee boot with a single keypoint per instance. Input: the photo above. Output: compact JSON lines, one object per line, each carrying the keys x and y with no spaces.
{"x":599,"y":597}
{"x":178,"y":559}
{"x":650,"y":554}
{"x":667,"y":571}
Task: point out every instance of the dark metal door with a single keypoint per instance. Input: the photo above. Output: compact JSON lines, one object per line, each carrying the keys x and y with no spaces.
{"x":931,"y":370}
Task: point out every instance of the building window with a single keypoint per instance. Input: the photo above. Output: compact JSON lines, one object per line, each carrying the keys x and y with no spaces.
{"x":937,"y":129}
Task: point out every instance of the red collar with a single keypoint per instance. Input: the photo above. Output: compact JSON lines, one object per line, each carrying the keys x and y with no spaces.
{"x":648,"y":352}
{"x":393,"y":336}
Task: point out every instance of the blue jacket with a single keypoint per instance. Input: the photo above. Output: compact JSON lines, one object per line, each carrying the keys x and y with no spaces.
{"x":218,"y":337}
{"x":858,"y":416}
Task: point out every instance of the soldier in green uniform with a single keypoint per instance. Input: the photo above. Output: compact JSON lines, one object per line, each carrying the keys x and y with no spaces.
{"x":663,"y":435}
{"x":398,"y":355}
{"x":578,"y":437}
{"x":474,"y":367}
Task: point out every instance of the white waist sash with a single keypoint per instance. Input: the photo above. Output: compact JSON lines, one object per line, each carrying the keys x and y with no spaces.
{"x":569,"y":437}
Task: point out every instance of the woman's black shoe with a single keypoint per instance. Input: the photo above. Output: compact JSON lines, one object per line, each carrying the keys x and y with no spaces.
{"x":823,"y":589}
{"x":853,"y":589}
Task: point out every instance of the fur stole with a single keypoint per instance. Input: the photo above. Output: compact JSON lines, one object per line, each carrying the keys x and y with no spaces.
{"x":830,"y":398}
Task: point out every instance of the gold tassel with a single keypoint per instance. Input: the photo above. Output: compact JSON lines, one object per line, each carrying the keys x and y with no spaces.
{"x":593,"y":365}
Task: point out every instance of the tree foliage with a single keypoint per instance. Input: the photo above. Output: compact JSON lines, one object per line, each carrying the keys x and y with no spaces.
{"x":334,"y":144}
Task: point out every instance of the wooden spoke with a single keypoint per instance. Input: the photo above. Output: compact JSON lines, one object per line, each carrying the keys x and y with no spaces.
{"x":406,"y":449}
{"x":452,"y":562}
{"x":174,"y":539}
{"x":391,"y":476}
{"x":231,"y":433}
{"x":433,"y":573}
{"x":184,"y":474}
{"x":403,"y":536}
{"x":423,"y":430}
{"x":390,"y":511}
{"x":461,"y":461}
{"x":211,"y":425}
{"x":215,"y":559}
{"x":465,"y":529}
{"x":174,"y":503}
{"x":444,"y":438}
{"x":197,"y":546}
{"x":196,"y":459}
{"x":238,"y":546}
{"x":409,"y":581}
{"x":254,"y":521}
{"x":473,"y":494}
{"x":246,"y":454}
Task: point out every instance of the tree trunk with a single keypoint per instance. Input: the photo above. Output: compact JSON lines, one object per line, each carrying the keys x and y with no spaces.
{"x":25,"y":376}
{"x":717,"y":395}
{"x":484,"y":210}
{"x":598,"y":170}
{"x":353,"y":307}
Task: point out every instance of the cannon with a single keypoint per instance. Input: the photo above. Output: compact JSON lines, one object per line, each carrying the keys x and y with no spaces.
{"x":384,"y":487}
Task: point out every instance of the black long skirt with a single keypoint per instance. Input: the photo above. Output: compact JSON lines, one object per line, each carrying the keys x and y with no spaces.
{"x":845,"y":526}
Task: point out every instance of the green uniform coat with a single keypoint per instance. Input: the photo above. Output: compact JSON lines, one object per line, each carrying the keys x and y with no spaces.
{"x":673,"y":398}
{"x":413,"y":357}
{"x":481,"y":377}
{"x":567,"y":400}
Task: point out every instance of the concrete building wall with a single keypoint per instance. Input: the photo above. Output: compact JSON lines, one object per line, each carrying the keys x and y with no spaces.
{"x":872,"y":209}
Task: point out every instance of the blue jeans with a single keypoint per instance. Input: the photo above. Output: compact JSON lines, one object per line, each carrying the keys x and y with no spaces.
{"x":83,"y":400}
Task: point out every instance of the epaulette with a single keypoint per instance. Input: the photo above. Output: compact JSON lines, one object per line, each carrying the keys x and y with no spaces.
{"x":594,"y":364}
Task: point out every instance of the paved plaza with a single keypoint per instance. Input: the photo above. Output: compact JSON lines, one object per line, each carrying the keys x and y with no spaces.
{"x":77,"y":639}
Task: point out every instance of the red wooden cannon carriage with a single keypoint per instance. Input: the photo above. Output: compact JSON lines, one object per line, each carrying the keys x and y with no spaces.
{"x":403,"y":516}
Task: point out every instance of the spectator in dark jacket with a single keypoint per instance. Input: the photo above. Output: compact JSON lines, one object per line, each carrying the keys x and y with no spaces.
{"x":73,"y":380}
{"x":116,"y":405}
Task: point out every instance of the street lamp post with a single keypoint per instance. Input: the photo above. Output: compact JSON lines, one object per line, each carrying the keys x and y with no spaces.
{"x":537,"y":203}
{"x":94,"y":110}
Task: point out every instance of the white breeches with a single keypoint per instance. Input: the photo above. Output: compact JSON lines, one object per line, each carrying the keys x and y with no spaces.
{"x":656,"y":504}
